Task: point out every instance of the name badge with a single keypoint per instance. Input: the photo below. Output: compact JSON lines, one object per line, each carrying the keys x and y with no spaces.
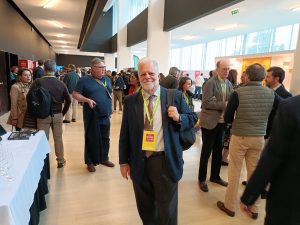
{"x":149,"y":140}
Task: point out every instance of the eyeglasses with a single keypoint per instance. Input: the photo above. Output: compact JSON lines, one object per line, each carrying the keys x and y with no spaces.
{"x":100,"y":67}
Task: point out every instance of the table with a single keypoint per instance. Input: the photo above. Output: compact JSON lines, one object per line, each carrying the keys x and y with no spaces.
{"x":17,"y":196}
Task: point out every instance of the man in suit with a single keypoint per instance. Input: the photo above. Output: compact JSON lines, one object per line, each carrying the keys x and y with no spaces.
{"x":279,"y":166}
{"x":155,"y":167}
{"x":216,"y":93}
{"x":171,"y":81}
{"x":274,"y":78}
{"x":38,"y":72}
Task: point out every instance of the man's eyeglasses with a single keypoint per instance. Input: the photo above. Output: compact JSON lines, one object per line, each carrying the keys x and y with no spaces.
{"x":100,"y":67}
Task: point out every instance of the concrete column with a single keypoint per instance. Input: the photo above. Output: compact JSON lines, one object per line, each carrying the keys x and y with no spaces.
{"x":109,"y":60}
{"x":124,"y":58}
{"x":158,"y":41}
{"x":295,"y":80}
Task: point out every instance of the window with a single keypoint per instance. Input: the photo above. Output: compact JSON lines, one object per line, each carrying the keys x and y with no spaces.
{"x":175,"y":57}
{"x":136,"y":7}
{"x":282,"y":38}
{"x":197,"y":54}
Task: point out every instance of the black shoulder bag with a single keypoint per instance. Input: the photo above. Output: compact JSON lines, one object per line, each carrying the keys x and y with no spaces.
{"x":187,"y":137}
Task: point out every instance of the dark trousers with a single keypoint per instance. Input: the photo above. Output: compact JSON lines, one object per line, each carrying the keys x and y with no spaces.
{"x":104,"y":127}
{"x":212,"y":142}
{"x":156,"y":195}
{"x":197,"y":92}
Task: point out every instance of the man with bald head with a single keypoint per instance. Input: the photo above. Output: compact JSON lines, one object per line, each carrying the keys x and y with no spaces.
{"x":216,"y":93}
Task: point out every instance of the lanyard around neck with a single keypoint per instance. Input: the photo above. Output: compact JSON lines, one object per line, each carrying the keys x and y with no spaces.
{"x":150,"y":117}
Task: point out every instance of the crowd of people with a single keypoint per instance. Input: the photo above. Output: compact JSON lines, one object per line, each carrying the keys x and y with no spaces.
{"x":237,"y":120}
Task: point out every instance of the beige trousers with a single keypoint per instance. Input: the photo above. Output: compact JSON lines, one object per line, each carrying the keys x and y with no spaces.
{"x":56,"y":121}
{"x":72,"y":111}
{"x":240,"y":148}
{"x":118,"y":95}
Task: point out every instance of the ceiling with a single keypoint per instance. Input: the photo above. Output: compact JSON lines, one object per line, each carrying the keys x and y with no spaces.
{"x":254,"y":15}
{"x":68,"y":13}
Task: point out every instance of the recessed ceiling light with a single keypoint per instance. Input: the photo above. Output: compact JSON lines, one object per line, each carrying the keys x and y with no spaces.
{"x":48,"y":3}
{"x":296,"y":8}
{"x":188,"y":37}
{"x":56,"y":24}
{"x":226,"y":27}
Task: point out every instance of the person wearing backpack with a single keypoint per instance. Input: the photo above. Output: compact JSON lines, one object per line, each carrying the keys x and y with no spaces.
{"x":59,"y":95}
{"x":150,"y":150}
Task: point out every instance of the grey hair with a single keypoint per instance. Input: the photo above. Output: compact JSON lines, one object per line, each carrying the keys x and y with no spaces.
{"x":50,"y":66}
{"x":256,"y":72}
{"x":147,"y":60}
{"x":96,"y":61}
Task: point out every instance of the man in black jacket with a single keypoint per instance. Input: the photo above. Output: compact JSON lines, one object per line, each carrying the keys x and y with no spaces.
{"x":274,"y":78}
{"x":38,"y":71}
{"x":279,"y":165}
{"x":171,"y":81}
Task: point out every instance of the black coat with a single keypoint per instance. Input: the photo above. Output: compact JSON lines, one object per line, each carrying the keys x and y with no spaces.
{"x":131,"y":134}
{"x":281,"y":93}
{"x":280,"y":166}
{"x":169,"y":82}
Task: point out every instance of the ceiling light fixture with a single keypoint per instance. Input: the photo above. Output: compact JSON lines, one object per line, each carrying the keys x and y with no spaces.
{"x":54,"y":23}
{"x":226,"y":27}
{"x":188,"y":37}
{"x":296,"y":8}
{"x":48,"y":4}
{"x":60,"y":35}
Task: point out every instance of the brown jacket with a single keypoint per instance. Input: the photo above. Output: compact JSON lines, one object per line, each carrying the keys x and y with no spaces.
{"x":18,"y":94}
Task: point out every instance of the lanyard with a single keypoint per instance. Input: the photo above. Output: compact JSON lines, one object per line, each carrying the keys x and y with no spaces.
{"x":150,"y":117}
{"x":186,"y":99}
{"x":105,"y":83}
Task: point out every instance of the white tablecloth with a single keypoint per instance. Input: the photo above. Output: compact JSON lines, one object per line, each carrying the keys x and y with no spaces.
{"x":17,"y":196}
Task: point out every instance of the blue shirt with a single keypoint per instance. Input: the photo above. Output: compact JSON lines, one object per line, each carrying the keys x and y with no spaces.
{"x":90,"y":88}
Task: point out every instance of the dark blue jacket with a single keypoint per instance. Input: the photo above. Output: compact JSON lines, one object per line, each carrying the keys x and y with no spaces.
{"x":131,"y":134}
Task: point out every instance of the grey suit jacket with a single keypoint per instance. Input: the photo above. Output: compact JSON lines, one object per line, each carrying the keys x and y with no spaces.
{"x":212,"y":102}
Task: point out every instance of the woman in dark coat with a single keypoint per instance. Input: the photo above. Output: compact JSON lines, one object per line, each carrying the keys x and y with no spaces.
{"x":184,"y":85}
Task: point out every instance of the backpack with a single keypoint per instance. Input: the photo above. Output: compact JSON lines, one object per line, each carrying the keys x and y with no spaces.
{"x":39,"y":101}
{"x":187,"y":137}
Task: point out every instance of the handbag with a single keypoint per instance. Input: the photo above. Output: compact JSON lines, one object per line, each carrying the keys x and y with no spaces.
{"x":187,"y":137}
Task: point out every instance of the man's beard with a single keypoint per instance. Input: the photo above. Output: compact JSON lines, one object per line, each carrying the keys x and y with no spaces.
{"x":150,"y":87}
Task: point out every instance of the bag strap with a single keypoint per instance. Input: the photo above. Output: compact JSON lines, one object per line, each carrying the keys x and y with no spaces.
{"x":101,"y":84}
{"x":170,"y":97}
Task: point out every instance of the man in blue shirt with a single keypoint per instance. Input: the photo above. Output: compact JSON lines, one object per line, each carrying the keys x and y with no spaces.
{"x":95,"y":92}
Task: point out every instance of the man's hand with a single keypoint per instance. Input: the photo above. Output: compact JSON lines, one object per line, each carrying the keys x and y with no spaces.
{"x":173,"y":113}
{"x":91,"y":103}
{"x":125,"y":171}
{"x":246,"y":209}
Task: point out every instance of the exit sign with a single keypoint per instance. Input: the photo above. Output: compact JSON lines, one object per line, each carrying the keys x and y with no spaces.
{"x":234,"y":11}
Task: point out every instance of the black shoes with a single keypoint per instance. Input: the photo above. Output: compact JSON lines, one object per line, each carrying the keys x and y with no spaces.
{"x":91,"y":168}
{"x":223,"y":163}
{"x":219,"y":181}
{"x":73,"y":120}
{"x":203,"y":186}
{"x":222,"y":207}
{"x":66,"y":121}
{"x":61,"y":164}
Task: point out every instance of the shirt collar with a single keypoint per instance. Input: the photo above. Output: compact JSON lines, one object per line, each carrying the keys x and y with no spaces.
{"x":220,"y":79}
{"x":278,"y":86}
{"x":156,"y":93}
